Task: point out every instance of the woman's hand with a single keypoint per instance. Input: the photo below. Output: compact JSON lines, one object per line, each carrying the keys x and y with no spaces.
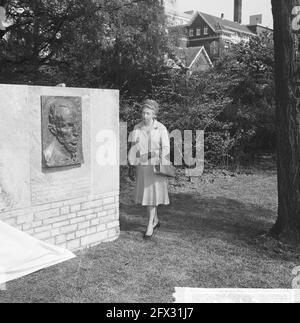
{"x":152,"y":154}
{"x":145,"y":157}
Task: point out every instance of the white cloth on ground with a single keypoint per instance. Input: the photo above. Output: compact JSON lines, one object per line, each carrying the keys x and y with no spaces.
{"x":21,"y":254}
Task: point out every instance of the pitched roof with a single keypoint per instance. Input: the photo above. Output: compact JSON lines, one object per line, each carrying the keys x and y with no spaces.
{"x":217,"y":23}
{"x":188,"y":55}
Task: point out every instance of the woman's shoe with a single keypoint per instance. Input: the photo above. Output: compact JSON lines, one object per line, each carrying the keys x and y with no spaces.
{"x":146,"y":237}
{"x":157,"y":226}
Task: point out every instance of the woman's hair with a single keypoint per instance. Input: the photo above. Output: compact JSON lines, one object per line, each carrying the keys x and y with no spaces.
{"x":151,"y":104}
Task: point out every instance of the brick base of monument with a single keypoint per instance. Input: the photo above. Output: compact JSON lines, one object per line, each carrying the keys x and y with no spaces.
{"x":74,"y":224}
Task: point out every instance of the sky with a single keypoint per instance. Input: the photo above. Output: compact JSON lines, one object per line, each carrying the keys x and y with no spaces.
{"x":217,"y":7}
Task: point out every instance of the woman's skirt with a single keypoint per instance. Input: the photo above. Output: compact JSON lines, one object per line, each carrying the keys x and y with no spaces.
{"x":150,"y":189}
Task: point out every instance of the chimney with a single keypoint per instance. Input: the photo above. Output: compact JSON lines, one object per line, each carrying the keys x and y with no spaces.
{"x":238,"y":11}
{"x":256,"y":19}
{"x":222,"y":16}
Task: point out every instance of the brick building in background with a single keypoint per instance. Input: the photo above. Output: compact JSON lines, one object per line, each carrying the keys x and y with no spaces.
{"x":217,"y":35}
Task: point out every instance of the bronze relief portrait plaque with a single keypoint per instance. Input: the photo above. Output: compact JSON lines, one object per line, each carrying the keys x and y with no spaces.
{"x":61,"y":131}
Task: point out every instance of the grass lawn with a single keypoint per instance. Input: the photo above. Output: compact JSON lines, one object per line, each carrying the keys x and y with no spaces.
{"x":211,"y":237}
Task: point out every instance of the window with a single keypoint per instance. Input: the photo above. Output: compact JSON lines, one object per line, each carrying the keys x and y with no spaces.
{"x":226,"y":47}
{"x":214,"y":48}
{"x":191,"y":32}
{"x":198,"y":32}
{"x":205,"y":31}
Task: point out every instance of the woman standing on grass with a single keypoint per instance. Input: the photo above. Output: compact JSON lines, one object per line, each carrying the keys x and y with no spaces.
{"x":150,"y":145}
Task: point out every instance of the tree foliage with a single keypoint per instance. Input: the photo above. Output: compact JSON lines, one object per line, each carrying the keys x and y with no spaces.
{"x":110,"y":43}
{"x":249,"y":74}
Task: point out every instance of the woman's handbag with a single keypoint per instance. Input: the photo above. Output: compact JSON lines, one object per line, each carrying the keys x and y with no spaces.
{"x":165,"y":170}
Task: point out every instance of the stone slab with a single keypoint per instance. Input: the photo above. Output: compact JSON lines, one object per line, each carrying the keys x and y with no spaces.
{"x":14,"y":148}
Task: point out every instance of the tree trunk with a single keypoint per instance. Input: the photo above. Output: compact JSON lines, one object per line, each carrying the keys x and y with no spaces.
{"x":287,"y":58}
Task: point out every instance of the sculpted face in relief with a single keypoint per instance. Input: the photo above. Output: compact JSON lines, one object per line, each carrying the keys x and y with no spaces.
{"x":64,"y":124}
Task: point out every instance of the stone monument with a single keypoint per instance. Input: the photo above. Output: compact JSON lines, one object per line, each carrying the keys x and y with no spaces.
{"x":51,"y":183}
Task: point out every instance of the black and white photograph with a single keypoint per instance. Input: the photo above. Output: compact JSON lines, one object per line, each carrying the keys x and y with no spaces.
{"x":149,"y":154}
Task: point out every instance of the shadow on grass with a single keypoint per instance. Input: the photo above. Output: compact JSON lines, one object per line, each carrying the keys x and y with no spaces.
{"x":203,"y":218}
